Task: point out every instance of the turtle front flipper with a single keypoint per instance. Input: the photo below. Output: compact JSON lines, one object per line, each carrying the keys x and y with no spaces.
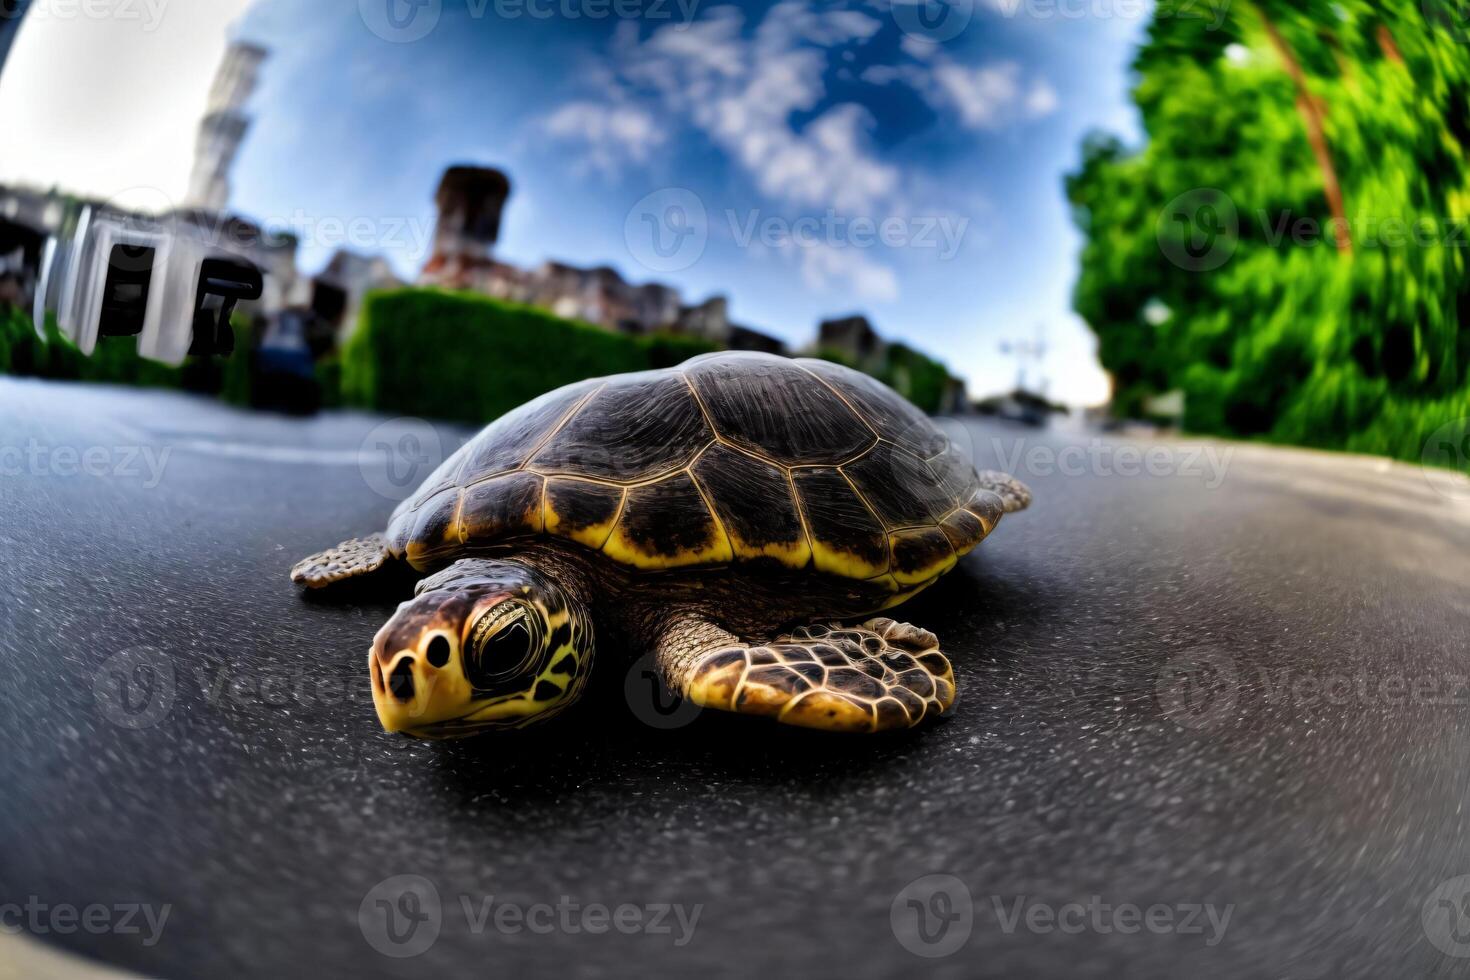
{"x":878,"y":676}
{"x":351,"y":558}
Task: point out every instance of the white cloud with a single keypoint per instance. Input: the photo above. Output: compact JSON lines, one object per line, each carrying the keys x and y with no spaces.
{"x":984,"y":97}
{"x":744,"y":86}
{"x":989,"y":96}
{"x":824,"y":267}
{"x":111,"y":106}
{"x":613,"y":134}
{"x":742,"y":92}
{"x":1041,"y":100}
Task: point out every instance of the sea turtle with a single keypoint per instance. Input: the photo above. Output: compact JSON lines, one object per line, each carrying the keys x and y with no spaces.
{"x":722,"y":515}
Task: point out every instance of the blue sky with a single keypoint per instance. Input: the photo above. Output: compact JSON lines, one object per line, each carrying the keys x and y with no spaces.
{"x":843,"y":157}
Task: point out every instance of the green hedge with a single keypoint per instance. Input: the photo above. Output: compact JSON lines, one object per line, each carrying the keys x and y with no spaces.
{"x":115,"y":360}
{"x":452,"y":355}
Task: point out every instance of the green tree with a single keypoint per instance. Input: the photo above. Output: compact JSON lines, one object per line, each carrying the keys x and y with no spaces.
{"x":1289,"y":247}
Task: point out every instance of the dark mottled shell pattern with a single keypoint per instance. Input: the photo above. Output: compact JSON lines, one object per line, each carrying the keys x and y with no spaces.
{"x":731,"y":457}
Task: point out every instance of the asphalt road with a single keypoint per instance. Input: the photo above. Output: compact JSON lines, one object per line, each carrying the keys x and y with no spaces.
{"x":1212,"y":723}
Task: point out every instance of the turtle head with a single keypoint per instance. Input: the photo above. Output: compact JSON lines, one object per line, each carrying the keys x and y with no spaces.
{"x":483,"y":644}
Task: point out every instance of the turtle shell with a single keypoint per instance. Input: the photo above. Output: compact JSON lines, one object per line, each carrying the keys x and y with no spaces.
{"x":730,"y":457}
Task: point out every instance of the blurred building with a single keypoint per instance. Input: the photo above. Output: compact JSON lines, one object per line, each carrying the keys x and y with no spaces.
{"x":853,"y":339}
{"x":337,"y":291}
{"x":223,"y":127}
{"x":26,"y":218}
{"x":470,"y":201}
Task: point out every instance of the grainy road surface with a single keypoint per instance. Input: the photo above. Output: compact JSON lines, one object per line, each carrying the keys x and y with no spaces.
{"x":1213,"y":723}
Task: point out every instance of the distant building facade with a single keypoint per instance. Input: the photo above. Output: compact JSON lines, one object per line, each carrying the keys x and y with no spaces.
{"x":853,"y":338}
{"x":470,"y":202}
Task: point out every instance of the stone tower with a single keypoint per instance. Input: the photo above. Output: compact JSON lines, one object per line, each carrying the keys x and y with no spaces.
{"x":469,"y":201}
{"x":223,"y":127}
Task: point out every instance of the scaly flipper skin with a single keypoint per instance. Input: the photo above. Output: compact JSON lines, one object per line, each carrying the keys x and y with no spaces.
{"x":351,"y":558}
{"x":875,"y":677}
{"x":1014,"y":495}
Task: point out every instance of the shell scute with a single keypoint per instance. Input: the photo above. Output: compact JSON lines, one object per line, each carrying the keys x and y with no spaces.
{"x":899,"y":486}
{"x":667,"y":525}
{"x":920,"y":555}
{"x":507,"y":443}
{"x":635,"y":427}
{"x":889,"y":414}
{"x":502,"y":508}
{"x":847,"y":539}
{"x":770,"y":406}
{"x":582,"y":510}
{"x":753,"y":501}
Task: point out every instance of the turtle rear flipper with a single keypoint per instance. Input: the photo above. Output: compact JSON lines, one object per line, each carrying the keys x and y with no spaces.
{"x":1014,"y":494}
{"x":350,"y":559}
{"x":878,"y":676}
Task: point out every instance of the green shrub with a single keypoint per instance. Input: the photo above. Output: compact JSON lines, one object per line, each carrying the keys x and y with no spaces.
{"x":917,"y":377}
{"x":329,"y":380}
{"x":462,"y":356}
{"x":115,"y":360}
{"x":20,"y":348}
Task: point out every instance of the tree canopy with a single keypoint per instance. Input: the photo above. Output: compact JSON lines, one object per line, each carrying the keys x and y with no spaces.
{"x":1289,"y":246}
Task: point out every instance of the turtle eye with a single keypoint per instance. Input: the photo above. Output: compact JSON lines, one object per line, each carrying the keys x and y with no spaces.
{"x":501,"y":646}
